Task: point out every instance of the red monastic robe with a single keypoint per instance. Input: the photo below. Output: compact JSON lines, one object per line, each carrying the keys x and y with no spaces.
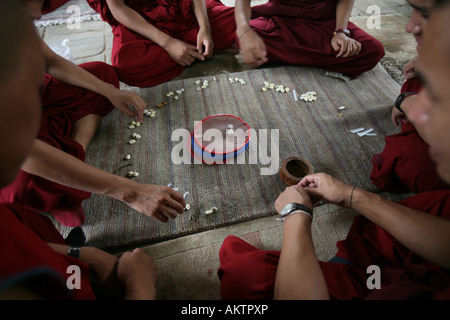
{"x":29,"y":261}
{"x":405,"y":165}
{"x":143,"y":63}
{"x":249,"y":273}
{"x":300,"y":32}
{"x":51,"y":5}
{"x":63,"y":105}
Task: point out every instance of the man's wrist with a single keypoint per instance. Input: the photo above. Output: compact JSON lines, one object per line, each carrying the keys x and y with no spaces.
{"x":402,"y":96}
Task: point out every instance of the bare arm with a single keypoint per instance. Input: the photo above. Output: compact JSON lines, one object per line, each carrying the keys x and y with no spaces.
{"x":424,"y":234}
{"x":204,"y":38}
{"x":252,"y":46}
{"x":68,"y":72}
{"x":159,"y":202}
{"x":299,"y":275}
{"x":345,"y":46}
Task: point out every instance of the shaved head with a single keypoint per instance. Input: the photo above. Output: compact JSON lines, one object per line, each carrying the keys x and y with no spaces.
{"x":21,"y":74}
{"x":15,"y":28}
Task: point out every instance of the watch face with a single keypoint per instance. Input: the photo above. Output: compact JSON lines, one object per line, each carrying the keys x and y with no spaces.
{"x":287,"y":209}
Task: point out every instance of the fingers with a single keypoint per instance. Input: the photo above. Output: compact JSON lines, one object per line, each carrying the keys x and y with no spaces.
{"x":347,"y":49}
{"x":169,"y":205}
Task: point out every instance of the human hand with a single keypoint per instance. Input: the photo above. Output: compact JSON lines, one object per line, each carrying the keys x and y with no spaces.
{"x":397,"y":116}
{"x":321,"y":186}
{"x":159,"y":202}
{"x":204,"y":41}
{"x":104,"y":266}
{"x":345,"y":46}
{"x":123,"y":100}
{"x":183,"y":53}
{"x":407,"y":105}
{"x":409,"y":70}
{"x":253,"y":48}
{"x":138,"y":273}
{"x":293,"y":194}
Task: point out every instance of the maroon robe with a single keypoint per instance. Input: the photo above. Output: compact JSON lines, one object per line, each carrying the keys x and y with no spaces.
{"x":300,"y":32}
{"x":405,"y":165}
{"x":29,"y":261}
{"x":249,"y":273}
{"x":143,"y":63}
{"x":63,"y":105}
{"x":51,"y":5}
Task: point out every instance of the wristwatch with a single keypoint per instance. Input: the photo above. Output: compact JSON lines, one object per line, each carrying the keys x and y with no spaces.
{"x":74,"y":252}
{"x":400,"y":98}
{"x":294,"y":207}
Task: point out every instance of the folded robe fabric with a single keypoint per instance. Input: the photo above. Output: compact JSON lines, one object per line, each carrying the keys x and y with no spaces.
{"x":29,"y":262}
{"x":300,"y":32}
{"x":63,"y":105}
{"x":405,"y":165}
{"x":249,"y":273}
{"x":143,"y":63}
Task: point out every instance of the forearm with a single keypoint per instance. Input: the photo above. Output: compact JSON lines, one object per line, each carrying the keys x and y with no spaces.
{"x":134,"y":21}
{"x":70,"y":73}
{"x":343,"y":11}
{"x":199,"y":7}
{"x":242,"y":15}
{"x":426,"y":235}
{"x":58,"y":166}
{"x":299,"y":275}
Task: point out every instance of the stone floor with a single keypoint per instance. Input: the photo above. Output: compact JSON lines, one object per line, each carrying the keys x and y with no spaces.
{"x":92,"y":42}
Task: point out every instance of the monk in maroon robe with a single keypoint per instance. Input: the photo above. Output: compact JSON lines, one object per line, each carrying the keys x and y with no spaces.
{"x":308,"y":32}
{"x":52,"y":5}
{"x":55,"y":177}
{"x":36,"y":262}
{"x":405,"y":164}
{"x":403,"y":245}
{"x":155,"y":39}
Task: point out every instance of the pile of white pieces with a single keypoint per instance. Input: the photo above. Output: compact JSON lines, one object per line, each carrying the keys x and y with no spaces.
{"x":236,"y":80}
{"x":276,"y":87}
{"x":203,"y":84}
{"x":175,"y":95}
{"x":309,"y":96}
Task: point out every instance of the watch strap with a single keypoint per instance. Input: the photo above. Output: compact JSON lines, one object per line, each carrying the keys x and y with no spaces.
{"x":74,"y":252}
{"x":294,"y":208}
{"x":400,"y":98}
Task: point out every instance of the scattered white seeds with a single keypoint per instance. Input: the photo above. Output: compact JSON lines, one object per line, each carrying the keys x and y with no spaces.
{"x":309,"y":96}
{"x":341,"y":107}
{"x":133,"y":174}
{"x":236,"y":79}
{"x":211,"y":211}
{"x":131,"y":126}
{"x":272,"y":86}
{"x":188,"y":206}
{"x":138,"y":136}
{"x":132,"y":141}
{"x":128,"y":157}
